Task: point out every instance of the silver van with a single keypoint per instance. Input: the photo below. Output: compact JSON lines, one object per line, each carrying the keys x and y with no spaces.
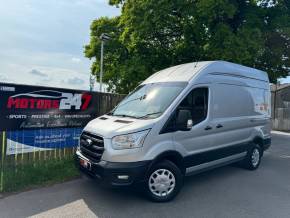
{"x":180,"y":121}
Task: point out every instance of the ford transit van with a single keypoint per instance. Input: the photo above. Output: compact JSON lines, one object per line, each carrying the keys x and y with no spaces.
{"x":180,"y":121}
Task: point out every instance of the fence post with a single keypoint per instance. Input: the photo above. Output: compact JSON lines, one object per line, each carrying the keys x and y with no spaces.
{"x":275,"y":96}
{"x":3,"y":140}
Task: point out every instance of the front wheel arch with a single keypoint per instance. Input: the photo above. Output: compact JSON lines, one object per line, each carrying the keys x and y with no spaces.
{"x":173,"y":156}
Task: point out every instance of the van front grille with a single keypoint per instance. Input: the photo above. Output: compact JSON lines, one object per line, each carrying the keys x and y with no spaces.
{"x":92,"y":146}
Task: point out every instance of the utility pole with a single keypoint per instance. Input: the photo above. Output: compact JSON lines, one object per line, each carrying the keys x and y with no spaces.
{"x":92,"y":82}
{"x":104,"y":37}
{"x":101,"y":65}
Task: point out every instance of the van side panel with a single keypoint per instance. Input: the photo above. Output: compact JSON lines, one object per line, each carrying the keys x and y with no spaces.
{"x":242,"y":107}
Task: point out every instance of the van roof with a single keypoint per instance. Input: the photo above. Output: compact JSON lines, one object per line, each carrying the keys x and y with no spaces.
{"x":185,"y":72}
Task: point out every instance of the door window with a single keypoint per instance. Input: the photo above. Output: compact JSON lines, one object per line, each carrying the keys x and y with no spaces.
{"x":197,"y":102}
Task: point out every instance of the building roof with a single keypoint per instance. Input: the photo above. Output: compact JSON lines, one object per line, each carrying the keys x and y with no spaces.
{"x":279,"y":86}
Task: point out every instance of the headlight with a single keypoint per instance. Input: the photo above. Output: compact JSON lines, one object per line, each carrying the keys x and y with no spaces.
{"x":79,"y":145}
{"x":133,"y":140}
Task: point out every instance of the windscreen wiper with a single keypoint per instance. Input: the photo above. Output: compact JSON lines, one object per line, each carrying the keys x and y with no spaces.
{"x":125,"y":115}
{"x":159,"y":112}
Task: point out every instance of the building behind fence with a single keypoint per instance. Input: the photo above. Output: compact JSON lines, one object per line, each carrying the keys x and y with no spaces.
{"x":281,"y":107}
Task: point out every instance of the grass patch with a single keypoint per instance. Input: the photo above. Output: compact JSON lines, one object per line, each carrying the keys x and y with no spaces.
{"x":26,"y":176}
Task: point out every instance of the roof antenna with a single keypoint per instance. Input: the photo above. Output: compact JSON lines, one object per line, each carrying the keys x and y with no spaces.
{"x":196,"y":63}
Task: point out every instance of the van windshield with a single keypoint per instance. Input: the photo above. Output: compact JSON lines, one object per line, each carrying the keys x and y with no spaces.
{"x":149,"y":101}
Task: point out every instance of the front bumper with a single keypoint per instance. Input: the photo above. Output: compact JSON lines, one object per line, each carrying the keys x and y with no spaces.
{"x":114,"y":173}
{"x":267,"y":143}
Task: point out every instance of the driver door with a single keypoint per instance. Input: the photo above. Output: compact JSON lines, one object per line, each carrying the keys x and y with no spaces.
{"x":198,"y":139}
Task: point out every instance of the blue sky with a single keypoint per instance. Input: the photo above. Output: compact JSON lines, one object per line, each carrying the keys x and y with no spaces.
{"x":41,"y":42}
{"x":285,"y":80}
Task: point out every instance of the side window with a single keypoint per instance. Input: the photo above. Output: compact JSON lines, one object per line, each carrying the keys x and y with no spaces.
{"x":197,"y":102}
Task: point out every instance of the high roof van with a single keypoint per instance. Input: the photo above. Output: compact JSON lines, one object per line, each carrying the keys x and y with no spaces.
{"x":180,"y":121}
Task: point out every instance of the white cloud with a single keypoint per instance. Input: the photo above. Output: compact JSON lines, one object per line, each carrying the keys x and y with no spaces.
{"x":285,"y":80}
{"x":47,"y":37}
{"x":37,"y":73}
{"x":4,"y":78}
{"x":75,"y":81}
{"x":55,"y":77}
{"x":76,"y":60}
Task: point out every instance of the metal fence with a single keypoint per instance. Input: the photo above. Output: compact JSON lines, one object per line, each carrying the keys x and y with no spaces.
{"x":281,"y":108}
{"x":20,"y":169}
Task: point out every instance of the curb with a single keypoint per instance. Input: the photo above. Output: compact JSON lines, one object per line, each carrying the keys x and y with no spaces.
{"x":280,"y":133}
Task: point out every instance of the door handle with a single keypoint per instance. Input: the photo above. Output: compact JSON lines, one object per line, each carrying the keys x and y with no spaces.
{"x":208,"y":128}
{"x":219,"y":126}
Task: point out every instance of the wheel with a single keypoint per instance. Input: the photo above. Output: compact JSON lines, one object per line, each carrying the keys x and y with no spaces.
{"x":253,"y":158}
{"x":163,"y":182}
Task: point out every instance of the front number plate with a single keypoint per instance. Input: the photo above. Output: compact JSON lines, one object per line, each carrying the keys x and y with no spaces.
{"x":86,"y":164}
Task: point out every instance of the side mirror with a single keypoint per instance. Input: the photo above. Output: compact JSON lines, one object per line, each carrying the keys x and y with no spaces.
{"x":184,"y":121}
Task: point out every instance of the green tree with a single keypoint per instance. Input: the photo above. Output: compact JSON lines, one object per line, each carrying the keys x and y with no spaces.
{"x":151,"y":35}
{"x":275,"y":55}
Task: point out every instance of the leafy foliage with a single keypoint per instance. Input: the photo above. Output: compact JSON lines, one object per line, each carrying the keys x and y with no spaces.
{"x":151,"y":35}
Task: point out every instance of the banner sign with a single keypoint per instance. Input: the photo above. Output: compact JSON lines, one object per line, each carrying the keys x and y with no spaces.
{"x":26,"y":141}
{"x":33,"y":107}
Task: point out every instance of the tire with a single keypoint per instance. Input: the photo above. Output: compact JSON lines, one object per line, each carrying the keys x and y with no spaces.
{"x":163,"y":181}
{"x":253,"y":158}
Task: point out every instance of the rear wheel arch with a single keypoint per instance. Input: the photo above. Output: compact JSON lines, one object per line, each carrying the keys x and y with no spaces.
{"x":259,"y":141}
{"x":251,"y":158}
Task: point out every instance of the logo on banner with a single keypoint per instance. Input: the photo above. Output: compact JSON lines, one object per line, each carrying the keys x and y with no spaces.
{"x":48,"y":99}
